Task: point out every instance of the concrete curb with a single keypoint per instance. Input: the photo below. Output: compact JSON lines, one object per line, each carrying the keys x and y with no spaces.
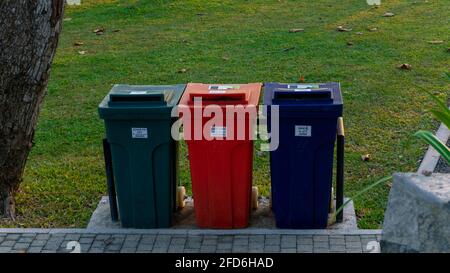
{"x":192,"y":232}
{"x":431,"y":157}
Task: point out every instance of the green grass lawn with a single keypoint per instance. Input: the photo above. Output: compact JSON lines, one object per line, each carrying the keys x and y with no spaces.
{"x":149,"y":42}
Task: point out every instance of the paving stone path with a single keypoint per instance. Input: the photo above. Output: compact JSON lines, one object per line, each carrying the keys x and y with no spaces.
{"x":187,"y":241}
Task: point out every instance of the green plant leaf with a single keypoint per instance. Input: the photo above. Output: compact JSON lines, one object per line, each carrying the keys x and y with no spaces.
{"x":440,"y":147}
{"x":443,"y":117}
{"x":382,"y":180}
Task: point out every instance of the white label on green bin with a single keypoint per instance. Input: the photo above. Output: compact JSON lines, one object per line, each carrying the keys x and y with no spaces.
{"x":218,"y":131}
{"x":139,"y":133}
{"x":138,"y":92}
{"x":303,"y":130}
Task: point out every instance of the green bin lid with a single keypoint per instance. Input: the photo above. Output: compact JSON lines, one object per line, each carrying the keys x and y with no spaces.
{"x":124,"y":99}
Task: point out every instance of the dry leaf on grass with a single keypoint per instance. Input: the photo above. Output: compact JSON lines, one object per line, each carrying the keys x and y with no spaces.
{"x":99,"y":31}
{"x":366,"y":157}
{"x":359,"y":33}
{"x":78,"y":43}
{"x":405,"y":66}
{"x":82,"y":52}
{"x":349,"y":43}
{"x":289,"y":48}
{"x":373,"y":29}
{"x":301,"y":79}
{"x":388,"y":14}
{"x":183,"y":70}
{"x":116,"y":30}
{"x":295,"y":30}
{"x":67,"y":19}
{"x":435,"y":42}
{"x":343,"y":29}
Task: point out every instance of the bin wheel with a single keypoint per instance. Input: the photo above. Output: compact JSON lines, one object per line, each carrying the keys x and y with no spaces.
{"x":181,"y":193}
{"x":255,"y":197}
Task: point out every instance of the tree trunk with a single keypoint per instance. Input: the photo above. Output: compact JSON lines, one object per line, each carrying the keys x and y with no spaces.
{"x":29,"y":32}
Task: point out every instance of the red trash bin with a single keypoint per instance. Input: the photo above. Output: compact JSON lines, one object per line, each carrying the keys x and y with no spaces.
{"x":220,"y":152}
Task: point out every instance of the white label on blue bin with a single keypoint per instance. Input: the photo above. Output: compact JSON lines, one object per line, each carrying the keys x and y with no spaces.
{"x":139,"y":133}
{"x":218,"y":131}
{"x":303,"y":86}
{"x":303,"y":130}
{"x":302,"y":90}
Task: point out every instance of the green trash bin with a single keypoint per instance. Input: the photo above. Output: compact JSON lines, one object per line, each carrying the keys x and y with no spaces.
{"x":144,"y":155}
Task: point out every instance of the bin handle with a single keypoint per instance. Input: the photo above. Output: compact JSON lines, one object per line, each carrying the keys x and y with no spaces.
{"x":340,"y":168}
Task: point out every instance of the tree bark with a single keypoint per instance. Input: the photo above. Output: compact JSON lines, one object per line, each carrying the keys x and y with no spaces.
{"x":29,"y":31}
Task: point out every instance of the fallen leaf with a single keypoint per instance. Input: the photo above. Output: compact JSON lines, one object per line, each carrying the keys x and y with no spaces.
{"x":343,"y":29}
{"x":435,"y":42}
{"x":301,"y":79}
{"x":359,"y":33}
{"x":78,"y":43}
{"x":361,"y":213}
{"x":366,"y":157}
{"x":183,"y":70}
{"x":349,"y":43}
{"x":201,"y":14}
{"x":225,"y":58}
{"x":373,"y":29}
{"x":388,"y":14}
{"x":116,"y":30}
{"x":99,"y":31}
{"x":67,"y":19}
{"x":405,"y":66}
{"x":289,"y":48}
{"x":295,"y":30}
{"x":426,"y":172}
{"x":82,"y":52}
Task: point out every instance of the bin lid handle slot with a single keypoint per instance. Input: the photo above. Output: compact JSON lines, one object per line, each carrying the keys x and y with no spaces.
{"x":225,"y":98}
{"x":323,"y":95}
{"x":139,"y":98}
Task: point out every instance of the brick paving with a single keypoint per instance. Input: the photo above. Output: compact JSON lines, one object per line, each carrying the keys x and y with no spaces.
{"x":187,"y":241}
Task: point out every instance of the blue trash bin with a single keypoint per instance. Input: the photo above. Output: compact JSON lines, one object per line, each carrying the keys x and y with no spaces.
{"x":302,"y":166}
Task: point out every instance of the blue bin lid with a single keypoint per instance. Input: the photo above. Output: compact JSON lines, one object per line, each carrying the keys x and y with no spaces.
{"x":308,"y":96}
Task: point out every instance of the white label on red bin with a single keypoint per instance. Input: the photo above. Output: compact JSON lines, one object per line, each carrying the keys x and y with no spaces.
{"x":223,"y":87}
{"x":218,"y":131}
{"x":139,"y":133}
{"x":303,"y":130}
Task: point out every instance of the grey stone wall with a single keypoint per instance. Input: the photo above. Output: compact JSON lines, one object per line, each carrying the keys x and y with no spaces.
{"x":417,"y":217}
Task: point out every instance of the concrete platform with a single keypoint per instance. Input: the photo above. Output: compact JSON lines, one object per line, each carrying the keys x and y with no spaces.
{"x":262,"y":218}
